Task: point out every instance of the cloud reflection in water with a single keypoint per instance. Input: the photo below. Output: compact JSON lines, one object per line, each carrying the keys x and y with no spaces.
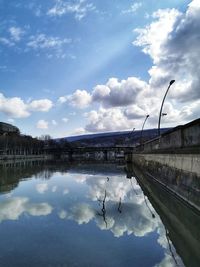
{"x":13,"y":208}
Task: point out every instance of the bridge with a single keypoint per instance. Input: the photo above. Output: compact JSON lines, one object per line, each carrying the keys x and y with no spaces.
{"x":114,"y":153}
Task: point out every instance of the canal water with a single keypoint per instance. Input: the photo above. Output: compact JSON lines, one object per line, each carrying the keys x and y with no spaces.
{"x":56,"y":215}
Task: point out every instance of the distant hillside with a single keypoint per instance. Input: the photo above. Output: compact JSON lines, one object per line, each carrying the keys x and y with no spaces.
{"x":113,"y":138}
{"x":91,"y":136}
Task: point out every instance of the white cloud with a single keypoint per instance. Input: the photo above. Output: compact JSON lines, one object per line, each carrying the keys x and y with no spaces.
{"x":152,"y":37}
{"x":118,"y":93}
{"x":15,"y":107}
{"x":42,"y":124}
{"x":133,"y":8}
{"x":79,"y":99}
{"x":16,"y":33}
{"x":43,"y":105}
{"x":103,"y":120}
{"x":62,"y":99}
{"x":172,"y":41}
{"x":79,"y":8}
{"x":13,"y":208}
{"x":81,"y":213}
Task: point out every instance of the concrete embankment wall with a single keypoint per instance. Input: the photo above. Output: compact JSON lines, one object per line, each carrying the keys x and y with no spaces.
{"x":24,"y":157}
{"x":181,"y":139}
{"x":185,"y":162}
{"x":178,"y":173}
{"x":173,"y":159}
{"x":182,"y":223}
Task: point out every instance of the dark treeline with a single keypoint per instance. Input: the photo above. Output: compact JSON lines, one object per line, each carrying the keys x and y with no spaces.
{"x":17,"y":144}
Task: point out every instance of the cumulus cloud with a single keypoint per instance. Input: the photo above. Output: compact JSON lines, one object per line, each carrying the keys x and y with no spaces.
{"x":79,"y":99}
{"x":79,"y":8}
{"x":42,"y":124}
{"x":106,"y":120}
{"x":43,"y":105}
{"x":15,"y":107}
{"x":172,"y":42}
{"x":81,"y":213}
{"x":13,"y":208}
{"x":118,"y":93}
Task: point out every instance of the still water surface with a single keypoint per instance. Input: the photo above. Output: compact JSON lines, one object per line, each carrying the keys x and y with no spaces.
{"x":80,"y":216}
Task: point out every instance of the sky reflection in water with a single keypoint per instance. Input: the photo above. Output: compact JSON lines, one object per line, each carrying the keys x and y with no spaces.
{"x":81,"y":217}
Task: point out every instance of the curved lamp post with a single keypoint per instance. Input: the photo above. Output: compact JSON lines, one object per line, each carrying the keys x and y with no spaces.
{"x":131,"y":132}
{"x":147,"y":116}
{"x":171,"y":82}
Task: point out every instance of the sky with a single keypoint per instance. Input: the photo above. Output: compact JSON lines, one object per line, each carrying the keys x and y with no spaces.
{"x":89,"y":66}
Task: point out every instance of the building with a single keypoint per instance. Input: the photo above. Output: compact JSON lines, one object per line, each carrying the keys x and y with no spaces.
{"x":6,"y":128}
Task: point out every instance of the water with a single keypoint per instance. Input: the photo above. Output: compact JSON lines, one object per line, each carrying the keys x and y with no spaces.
{"x":58,"y":216}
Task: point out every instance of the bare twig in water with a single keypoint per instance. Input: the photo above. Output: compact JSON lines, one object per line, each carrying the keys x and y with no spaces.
{"x":120,"y":206}
{"x":103,"y":210}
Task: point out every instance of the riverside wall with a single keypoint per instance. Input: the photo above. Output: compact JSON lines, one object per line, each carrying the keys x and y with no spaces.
{"x":173,"y":160}
{"x":181,"y":221}
{"x":181,"y":139}
{"x":4,"y":158}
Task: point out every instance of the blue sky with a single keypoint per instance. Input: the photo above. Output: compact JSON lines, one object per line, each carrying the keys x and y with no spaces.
{"x":70,"y":67}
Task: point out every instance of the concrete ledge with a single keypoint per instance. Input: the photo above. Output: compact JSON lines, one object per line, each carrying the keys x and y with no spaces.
{"x":184,"y":162}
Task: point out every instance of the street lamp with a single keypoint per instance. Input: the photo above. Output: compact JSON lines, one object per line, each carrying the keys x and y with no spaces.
{"x":131,"y":132}
{"x":147,"y":116}
{"x":171,"y":82}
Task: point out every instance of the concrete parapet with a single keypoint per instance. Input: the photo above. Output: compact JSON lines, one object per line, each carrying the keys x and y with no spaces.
{"x":184,"y":162}
{"x":185,"y":137}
